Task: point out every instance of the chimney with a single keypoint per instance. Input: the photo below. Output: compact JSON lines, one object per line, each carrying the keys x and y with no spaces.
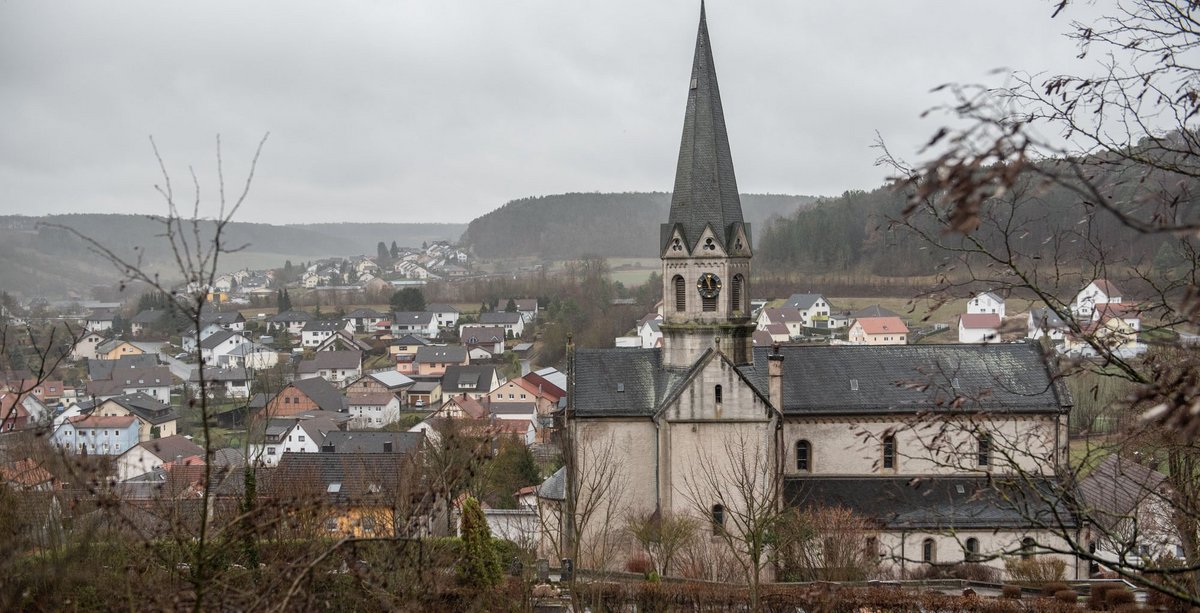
{"x":775,"y":377}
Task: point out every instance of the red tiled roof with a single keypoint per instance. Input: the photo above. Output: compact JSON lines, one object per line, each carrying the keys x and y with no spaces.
{"x":102,"y":421}
{"x":980,"y":321}
{"x":883,"y":325}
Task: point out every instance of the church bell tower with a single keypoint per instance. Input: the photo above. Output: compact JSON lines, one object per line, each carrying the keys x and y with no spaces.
{"x":705,"y":245}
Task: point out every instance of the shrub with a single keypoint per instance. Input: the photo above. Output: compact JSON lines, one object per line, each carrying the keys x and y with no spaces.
{"x":1052,"y":588}
{"x":1066,"y":596}
{"x":1116,"y":596}
{"x":1011,"y":592}
{"x":1035,"y":570}
{"x":1096,"y":598}
{"x":639,"y":563}
{"x":1165,"y":602}
{"x":479,"y":566}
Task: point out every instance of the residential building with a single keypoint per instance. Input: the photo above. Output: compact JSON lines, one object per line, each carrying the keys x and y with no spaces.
{"x":214,"y":348}
{"x":101,"y":320}
{"x":513,"y":323}
{"x":1044,"y":322}
{"x":792,"y":318}
{"x":473,"y":380}
{"x":434,"y":360}
{"x":291,"y":321}
{"x":96,"y":435}
{"x":979,"y":328}
{"x":986,"y":303}
{"x":1098,"y":292}
{"x":336,"y":367}
{"x":814,"y":309}
{"x":420,"y":323}
{"x":158,"y":453}
{"x":129,"y":377}
{"x":233,"y":382}
{"x":372,"y":409}
{"x":155,"y":419}
{"x":366,"y":320}
{"x":488,"y":337}
{"x":85,"y":348}
{"x":317,"y":331}
{"x":445,"y":315}
{"x":878,"y":331}
{"x":299,"y":433}
{"x":306,"y":395}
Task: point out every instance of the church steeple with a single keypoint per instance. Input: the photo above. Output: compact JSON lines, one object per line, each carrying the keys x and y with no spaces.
{"x":705,"y":246}
{"x":706,"y":193}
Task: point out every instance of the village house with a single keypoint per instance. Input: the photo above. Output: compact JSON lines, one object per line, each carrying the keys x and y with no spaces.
{"x":488,"y":337}
{"x":144,"y":320}
{"x":317,"y":331}
{"x":513,"y":323}
{"x":424,"y":394}
{"x":543,"y":394}
{"x":1098,"y":292}
{"x":232,"y":321}
{"x":250,"y":355}
{"x":116,"y":348}
{"x":155,"y":419}
{"x":372,"y":409}
{"x":979,"y":328}
{"x":366,"y":320}
{"x":336,"y":367}
{"x":1131,"y":508}
{"x":527,"y":307}
{"x":445,"y":315}
{"x":306,"y":395}
{"x":986,"y":303}
{"x":1112,"y":333}
{"x":187,"y":341}
{"x":1044,"y":322}
{"x":786,"y":316}
{"x":433,"y":361}
{"x":291,"y":321}
{"x":96,"y":435}
{"x":233,"y":382}
{"x":158,"y":453}
{"x":22,"y":411}
{"x":349,"y":441}
{"x":878,"y":331}
{"x":101,"y":320}
{"x":813,"y":308}
{"x":420,"y":323}
{"x":85,"y":348}
{"x":300,"y":433}
{"x":474,"y":381}
{"x":342,"y":341}
{"x":388,"y":381}
{"x":128,"y":377}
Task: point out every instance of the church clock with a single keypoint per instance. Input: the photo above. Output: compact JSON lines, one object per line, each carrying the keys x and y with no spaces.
{"x":709,"y":285}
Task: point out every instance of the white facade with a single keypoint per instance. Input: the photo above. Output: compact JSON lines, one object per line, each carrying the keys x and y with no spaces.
{"x":1097,"y":292}
{"x":986,"y":303}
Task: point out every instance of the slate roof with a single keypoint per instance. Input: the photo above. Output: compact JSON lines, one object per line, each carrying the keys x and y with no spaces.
{"x":555,"y":486}
{"x":331,"y":360}
{"x":147,"y":317}
{"x":940,"y":503}
{"x":365,"y":313}
{"x":616,"y":382}
{"x":392,"y":379}
{"x":371,"y":442}
{"x":1044,"y":318}
{"x":317,"y":325}
{"x":705,"y":191}
{"x":215,"y":339}
{"x":1115,"y":488}
{"x":424,"y":387}
{"x":471,"y":378}
{"x":145,"y":407}
{"x":907,"y":378}
{"x":873,"y":311}
{"x":221,"y":374}
{"x":338,"y":478}
{"x":412,"y":318}
{"x":784,"y":315}
{"x":1107,"y":287}
{"x":439,"y":307}
{"x":482,"y":334}
{"x":290,"y":316}
{"x":803,"y":301}
{"x":322,"y":392}
{"x":409,"y":339}
{"x":451,"y":355}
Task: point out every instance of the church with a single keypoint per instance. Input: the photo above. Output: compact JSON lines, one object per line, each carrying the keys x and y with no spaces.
{"x":917,"y":439}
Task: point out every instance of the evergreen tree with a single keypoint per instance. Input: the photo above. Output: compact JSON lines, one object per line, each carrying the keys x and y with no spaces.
{"x":381,"y":252}
{"x":511,"y":306}
{"x":395,"y":250}
{"x":409,"y":299}
{"x":479,"y":566}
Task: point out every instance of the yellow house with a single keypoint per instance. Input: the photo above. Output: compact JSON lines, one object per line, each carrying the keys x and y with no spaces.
{"x":155,"y":419}
{"x":1112,"y":333}
{"x":114,"y":349}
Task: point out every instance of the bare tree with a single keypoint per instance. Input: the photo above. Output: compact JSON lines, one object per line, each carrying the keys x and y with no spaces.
{"x":663,"y":536}
{"x":739,"y":489}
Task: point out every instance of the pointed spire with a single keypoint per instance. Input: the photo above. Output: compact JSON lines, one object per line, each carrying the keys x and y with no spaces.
{"x":705,"y":188}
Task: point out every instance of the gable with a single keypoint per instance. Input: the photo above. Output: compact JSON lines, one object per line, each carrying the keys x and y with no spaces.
{"x":715,"y":391}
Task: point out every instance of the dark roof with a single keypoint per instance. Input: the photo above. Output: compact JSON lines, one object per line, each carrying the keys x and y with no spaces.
{"x":441,"y":354}
{"x":424,"y":387}
{"x":1116,"y":487}
{"x":364,"y":313}
{"x":907,"y":378}
{"x":409,"y":318}
{"x":481,"y":334}
{"x":125,"y":375}
{"x":471,"y":378}
{"x":1044,"y":318}
{"x":555,"y":486}
{"x":371,"y":442}
{"x":622,"y":381}
{"x":221,"y":374}
{"x":499,"y":317}
{"x":322,"y":392}
{"x":318,"y":325}
{"x":331,"y":360}
{"x":168,"y":448}
{"x":103,"y":314}
{"x":339,"y":478}
{"x":290,"y":316}
{"x":873,"y":311}
{"x":410,"y":339}
{"x":221,"y":318}
{"x":439,"y":307}
{"x":149,"y":316}
{"x":937,"y":503}
{"x":217,"y":338}
{"x":705,"y":191}
{"x":803,"y":301}
{"x":141,"y":405}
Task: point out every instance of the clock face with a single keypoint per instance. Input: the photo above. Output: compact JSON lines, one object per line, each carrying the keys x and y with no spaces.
{"x":709,"y":285}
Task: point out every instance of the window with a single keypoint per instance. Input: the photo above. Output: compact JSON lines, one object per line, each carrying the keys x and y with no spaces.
{"x":717,"y":394}
{"x":368,"y":524}
{"x":735,"y":294}
{"x":803,"y":456}
{"x":985,"y":450}
{"x":972,"y":554}
{"x":928,"y":551}
{"x":300,"y":438}
{"x":331,"y":525}
{"x":708,"y":304}
{"x":270,"y":451}
{"x":718,"y":518}
{"x":889,"y":452}
{"x":680,"y":294}
{"x":872,"y":547}
{"x":1027,"y":545}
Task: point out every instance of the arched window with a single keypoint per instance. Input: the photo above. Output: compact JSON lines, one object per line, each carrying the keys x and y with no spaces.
{"x":889,"y":452}
{"x":718,"y":518}
{"x":1027,"y":545}
{"x":736,"y":289}
{"x":985,"y":450}
{"x":972,"y":550}
{"x":928,"y":551}
{"x":717,"y":394}
{"x":803,"y":456}
{"x":680,"y":294}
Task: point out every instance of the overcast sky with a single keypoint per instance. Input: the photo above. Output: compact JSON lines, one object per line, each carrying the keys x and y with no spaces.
{"x":443,"y":110}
